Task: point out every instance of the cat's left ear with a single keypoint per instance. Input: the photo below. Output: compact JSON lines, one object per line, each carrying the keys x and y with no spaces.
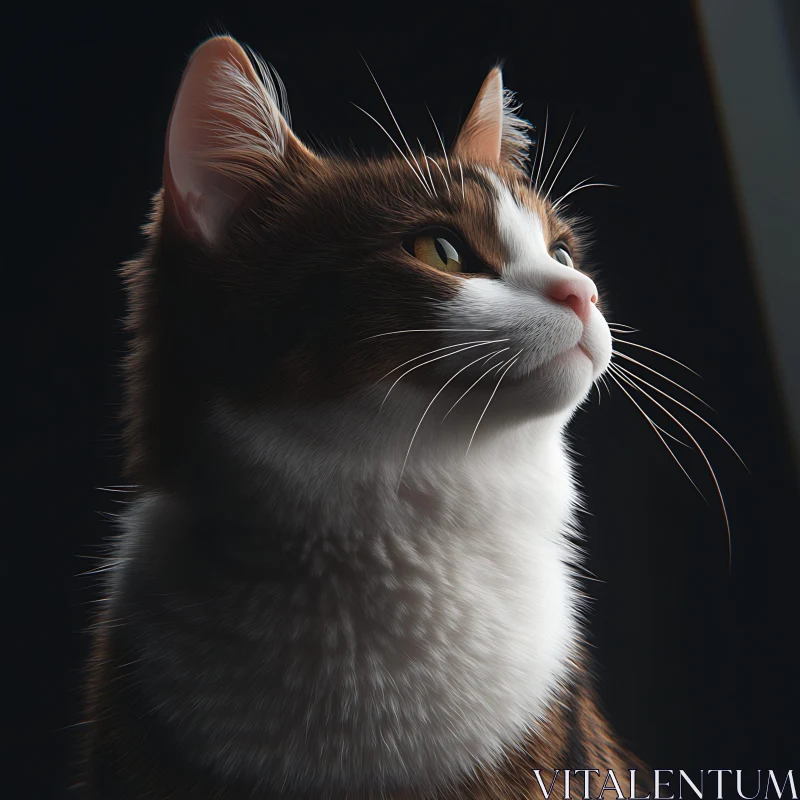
{"x":493,"y":134}
{"x":226,"y":135}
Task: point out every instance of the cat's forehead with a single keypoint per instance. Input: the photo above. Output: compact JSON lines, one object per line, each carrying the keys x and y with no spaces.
{"x":400,"y":195}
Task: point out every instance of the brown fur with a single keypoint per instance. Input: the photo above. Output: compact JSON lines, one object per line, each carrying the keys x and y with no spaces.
{"x":280,"y":312}
{"x":200,"y":316}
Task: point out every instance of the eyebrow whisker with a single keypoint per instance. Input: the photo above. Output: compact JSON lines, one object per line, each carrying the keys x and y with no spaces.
{"x":394,"y":119}
{"x":441,"y":141}
{"x":578,"y":188}
{"x":558,"y":149}
{"x":402,"y":154}
{"x":541,"y":155}
{"x":580,"y":136}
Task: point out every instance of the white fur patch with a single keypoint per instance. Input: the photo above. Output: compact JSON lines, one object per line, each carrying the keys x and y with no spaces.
{"x":434,"y":619}
{"x":542,"y":331}
{"x":437,"y":626}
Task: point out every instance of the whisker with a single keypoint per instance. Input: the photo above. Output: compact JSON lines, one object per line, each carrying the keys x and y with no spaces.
{"x":578,"y":188}
{"x":491,"y":397}
{"x":705,"y":422}
{"x":535,"y":156}
{"x":493,"y":367}
{"x":394,"y":119}
{"x":580,"y":136}
{"x":461,"y":169}
{"x":608,"y":389}
{"x":558,"y":149}
{"x":656,"y":352}
{"x":697,"y":446}
{"x":428,"y":408}
{"x":669,"y":380}
{"x":441,"y":142}
{"x":626,"y":327}
{"x":397,"y":146}
{"x":430,"y":353}
{"x":601,"y":381}
{"x":442,"y":174}
{"x":577,"y":185}
{"x":658,"y":430}
{"x":427,"y":167}
{"x":438,"y":358}
{"x":544,"y":144}
{"x":431,"y":330}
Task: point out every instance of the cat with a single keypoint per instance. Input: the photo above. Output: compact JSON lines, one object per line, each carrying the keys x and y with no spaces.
{"x":349,"y":568}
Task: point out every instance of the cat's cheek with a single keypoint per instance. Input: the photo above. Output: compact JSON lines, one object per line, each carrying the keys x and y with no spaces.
{"x":597,"y":344}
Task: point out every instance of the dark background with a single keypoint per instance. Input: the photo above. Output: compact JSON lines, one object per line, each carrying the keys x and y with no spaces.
{"x":696,"y":660}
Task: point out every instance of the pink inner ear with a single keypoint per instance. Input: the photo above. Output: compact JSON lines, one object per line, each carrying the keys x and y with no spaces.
{"x":481,"y":135}
{"x":202,"y":198}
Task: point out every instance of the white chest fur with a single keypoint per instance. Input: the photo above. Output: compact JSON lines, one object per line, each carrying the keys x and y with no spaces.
{"x":432,"y":627}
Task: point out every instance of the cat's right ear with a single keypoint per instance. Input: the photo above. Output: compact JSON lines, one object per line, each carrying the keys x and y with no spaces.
{"x":226,"y":132}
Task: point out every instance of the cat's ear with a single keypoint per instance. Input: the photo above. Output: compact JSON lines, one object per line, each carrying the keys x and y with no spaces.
{"x":493,"y":133}
{"x":226,"y":131}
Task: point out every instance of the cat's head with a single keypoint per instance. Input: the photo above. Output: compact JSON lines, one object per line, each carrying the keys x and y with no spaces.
{"x":281,"y":279}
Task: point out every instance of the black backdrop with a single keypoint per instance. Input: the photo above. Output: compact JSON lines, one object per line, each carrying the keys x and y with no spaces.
{"x":695,"y":660}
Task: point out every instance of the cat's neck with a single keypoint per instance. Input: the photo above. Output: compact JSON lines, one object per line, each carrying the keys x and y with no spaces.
{"x":419,"y":625}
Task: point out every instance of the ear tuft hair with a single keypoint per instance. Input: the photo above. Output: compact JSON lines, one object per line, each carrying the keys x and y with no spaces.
{"x":493,"y":133}
{"x":248,"y":122}
{"x":228,"y":130}
{"x":515,"y":142}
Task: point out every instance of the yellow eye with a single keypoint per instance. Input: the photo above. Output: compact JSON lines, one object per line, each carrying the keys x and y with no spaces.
{"x":437,"y":252}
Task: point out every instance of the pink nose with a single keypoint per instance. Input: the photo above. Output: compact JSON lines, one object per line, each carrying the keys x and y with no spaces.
{"x":578,"y":293}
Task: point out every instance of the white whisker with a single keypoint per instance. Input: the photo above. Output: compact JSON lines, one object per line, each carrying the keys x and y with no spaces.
{"x":656,"y":352}
{"x":658,"y":430}
{"x":669,"y":380}
{"x":700,"y":450}
{"x":438,"y":358}
{"x":558,"y":149}
{"x":402,"y":154}
{"x":580,"y":135}
{"x":441,"y":142}
{"x":544,"y":144}
{"x":427,"y":409}
{"x":427,"y":167}
{"x":431,"y":330}
{"x":441,"y":172}
{"x":577,"y":185}
{"x":493,"y":367}
{"x":430,"y":353}
{"x":394,"y":119}
{"x":705,"y":422}
{"x":578,"y":188}
{"x":491,"y":397}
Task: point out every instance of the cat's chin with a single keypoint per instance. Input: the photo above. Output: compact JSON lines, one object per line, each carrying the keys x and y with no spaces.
{"x":555,"y":387}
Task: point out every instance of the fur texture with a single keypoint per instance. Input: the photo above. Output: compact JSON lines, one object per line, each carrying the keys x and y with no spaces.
{"x":349,"y":569}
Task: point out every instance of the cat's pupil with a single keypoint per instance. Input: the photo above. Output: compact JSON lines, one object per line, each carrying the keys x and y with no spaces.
{"x":440,"y":250}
